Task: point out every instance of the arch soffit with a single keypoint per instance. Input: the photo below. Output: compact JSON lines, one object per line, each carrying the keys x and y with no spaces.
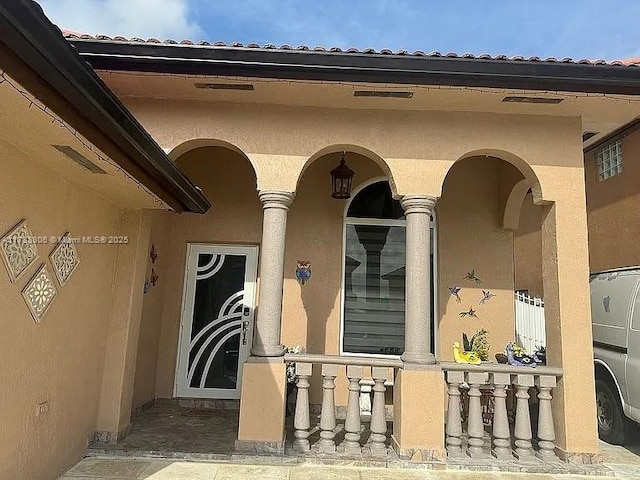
{"x":525,"y":168}
{"x":189,"y":145}
{"x":512,"y":208}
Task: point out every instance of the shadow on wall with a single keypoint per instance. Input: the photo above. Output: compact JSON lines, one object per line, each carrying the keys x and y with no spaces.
{"x":311,"y":313}
{"x":475,"y":254}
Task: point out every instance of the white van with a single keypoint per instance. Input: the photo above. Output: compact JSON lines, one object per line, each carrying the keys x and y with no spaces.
{"x":615,"y":314}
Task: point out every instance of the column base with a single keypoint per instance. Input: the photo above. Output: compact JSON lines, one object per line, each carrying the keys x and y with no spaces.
{"x":419,"y":405}
{"x":579,"y":458}
{"x":259,"y":448}
{"x":418,"y":358}
{"x":102,"y":436}
{"x":260,"y":351}
{"x":262,"y":403}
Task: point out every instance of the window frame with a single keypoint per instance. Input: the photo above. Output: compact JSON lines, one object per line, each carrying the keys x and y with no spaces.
{"x":393,"y":223}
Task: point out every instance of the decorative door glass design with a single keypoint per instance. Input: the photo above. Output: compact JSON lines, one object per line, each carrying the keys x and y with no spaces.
{"x":217,"y":320}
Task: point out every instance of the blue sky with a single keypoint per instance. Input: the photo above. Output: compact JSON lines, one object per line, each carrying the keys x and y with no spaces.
{"x":560,"y":28}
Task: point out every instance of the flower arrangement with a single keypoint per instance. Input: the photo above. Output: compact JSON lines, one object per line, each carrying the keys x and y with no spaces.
{"x":479,"y":344}
{"x":291,"y":366}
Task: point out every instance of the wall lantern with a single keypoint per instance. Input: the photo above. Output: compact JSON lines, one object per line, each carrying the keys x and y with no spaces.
{"x":341,"y":178}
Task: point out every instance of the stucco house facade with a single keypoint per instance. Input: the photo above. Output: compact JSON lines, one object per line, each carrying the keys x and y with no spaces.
{"x":202,"y":194}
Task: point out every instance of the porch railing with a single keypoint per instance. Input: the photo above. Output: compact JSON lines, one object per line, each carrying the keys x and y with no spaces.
{"x":353,"y":425}
{"x":488,"y":390}
{"x":530,"y":323}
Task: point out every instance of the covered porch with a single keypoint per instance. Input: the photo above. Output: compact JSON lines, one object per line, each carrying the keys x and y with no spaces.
{"x":383,"y":333}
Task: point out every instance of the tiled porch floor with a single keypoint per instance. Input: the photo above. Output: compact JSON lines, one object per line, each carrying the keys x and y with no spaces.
{"x":199,"y":435}
{"x":170,"y":430}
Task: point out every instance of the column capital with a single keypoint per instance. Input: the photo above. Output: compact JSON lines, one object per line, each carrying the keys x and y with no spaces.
{"x":418,"y":203}
{"x":276,"y":199}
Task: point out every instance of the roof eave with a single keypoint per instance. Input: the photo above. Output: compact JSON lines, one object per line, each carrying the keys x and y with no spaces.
{"x":35,"y":53}
{"x":358,"y":67}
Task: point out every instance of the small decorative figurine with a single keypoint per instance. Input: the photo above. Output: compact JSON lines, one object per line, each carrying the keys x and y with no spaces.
{"x":303,"y":272}
{"x":518,"y":356}
{"x":455,"y":292}
{"x":464,"y":357}
{"x":469,"y":313}
{"x":153,"y":254}
{"x":472,"y":276}
{"x":486,"y":296}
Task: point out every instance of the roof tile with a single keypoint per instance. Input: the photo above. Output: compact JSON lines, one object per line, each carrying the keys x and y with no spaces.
{"x":630,"y":62}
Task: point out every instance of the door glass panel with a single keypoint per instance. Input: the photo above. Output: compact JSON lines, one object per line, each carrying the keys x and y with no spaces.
{"x":217,"y":321}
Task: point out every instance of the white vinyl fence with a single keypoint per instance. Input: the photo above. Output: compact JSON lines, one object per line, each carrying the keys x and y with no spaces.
{"x":530,"y":328}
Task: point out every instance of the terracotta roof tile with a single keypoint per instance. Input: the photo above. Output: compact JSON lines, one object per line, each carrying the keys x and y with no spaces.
{"x":630,"y":62}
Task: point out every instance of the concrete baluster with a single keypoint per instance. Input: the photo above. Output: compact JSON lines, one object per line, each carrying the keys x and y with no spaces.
{"x":454,"y":422}
{"x":475,"y":426}
{"x":524,"y":451}
{"x":501,"y":435}
{"x":546,"y":432}
{"x":301,"y":421}
{"x":328,"y":414}
{"x":352,"y":423}
{"x":378,"y":413}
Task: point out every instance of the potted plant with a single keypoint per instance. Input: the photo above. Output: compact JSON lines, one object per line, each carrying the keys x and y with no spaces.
{"x":479,"y":344}
{"x":291,"y":378}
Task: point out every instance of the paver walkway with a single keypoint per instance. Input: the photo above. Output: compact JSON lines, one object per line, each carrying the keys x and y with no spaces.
{"x":621,"y":462}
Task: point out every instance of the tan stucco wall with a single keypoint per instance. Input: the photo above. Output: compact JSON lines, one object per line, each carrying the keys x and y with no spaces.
{"x":270,"y":135}
{"x":527,"y":249}
{"x":235,"y":217}
{"x":613,"y":207}
{"x":59,"y":360}
{"x":470,"y":237}
{"x":151,"y":323}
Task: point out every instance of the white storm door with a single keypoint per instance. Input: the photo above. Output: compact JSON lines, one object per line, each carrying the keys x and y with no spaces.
{"x":217,"y":320}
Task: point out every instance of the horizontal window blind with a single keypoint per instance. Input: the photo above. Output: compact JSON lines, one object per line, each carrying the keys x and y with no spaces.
{"x":374,"y":289}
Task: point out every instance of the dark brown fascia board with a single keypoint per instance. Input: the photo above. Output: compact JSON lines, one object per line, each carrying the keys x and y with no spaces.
{"x":34,"y":52}
{"x":623,"y":131}
{"x":357,"y":67}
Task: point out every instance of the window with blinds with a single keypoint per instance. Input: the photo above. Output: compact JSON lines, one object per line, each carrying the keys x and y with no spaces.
{"x":374,"y":289}
{"x":374,"y":273}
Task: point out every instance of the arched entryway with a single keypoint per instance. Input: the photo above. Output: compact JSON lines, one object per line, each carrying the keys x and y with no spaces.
{"x":374,"y":261}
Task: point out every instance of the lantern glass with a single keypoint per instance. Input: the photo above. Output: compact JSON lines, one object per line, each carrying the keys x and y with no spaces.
{"x":341,"y":179}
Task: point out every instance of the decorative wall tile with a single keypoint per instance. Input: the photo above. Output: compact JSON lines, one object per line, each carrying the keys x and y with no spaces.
{"x":18,"y":250}
{"x":39,"y":293}
{"x":64,"y":259}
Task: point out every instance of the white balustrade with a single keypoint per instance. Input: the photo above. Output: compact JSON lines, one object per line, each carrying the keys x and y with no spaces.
{"x":330,"y":367}
{"x":500,"y":381}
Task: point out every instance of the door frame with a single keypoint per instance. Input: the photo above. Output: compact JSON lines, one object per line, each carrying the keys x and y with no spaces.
{"x":181,"y":388}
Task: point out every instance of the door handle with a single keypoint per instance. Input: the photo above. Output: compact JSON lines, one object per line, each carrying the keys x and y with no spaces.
{"x":245,"y":327}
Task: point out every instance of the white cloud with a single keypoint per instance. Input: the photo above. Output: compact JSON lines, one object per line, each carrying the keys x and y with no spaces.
{"x":161,"y":19}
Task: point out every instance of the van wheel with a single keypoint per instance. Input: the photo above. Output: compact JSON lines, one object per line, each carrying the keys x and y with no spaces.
{"x":613,"y":426}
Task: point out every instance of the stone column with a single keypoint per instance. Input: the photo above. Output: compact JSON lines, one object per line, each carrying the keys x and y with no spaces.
{"x":417,"y":336}
{"x":266,"y":340}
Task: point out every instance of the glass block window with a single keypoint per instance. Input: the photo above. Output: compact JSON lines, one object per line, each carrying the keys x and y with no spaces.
{"x":609,"y":160}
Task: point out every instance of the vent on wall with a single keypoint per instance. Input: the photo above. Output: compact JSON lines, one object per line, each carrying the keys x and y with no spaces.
{"x":381,"y":93}
{"x":78,"y":158}
{"x":532,"y":100}
{"x":223,"y":86}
